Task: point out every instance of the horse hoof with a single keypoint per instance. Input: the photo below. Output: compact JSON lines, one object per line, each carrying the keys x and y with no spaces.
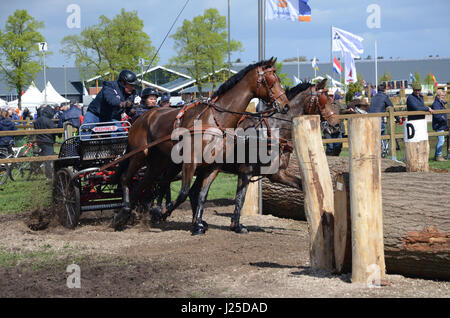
{"x":120,"y":219}
{"x":205,"y":225}
{"x":199,"y":229}
{"x":241,"y":229}
{"x":156,"y":214}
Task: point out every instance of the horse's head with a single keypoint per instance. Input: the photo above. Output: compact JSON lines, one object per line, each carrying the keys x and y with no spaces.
{"x":321,"y":103}
{"x":268,"y":87}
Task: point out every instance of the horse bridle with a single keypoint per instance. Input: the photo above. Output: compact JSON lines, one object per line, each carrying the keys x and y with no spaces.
{"x":268,"y":81}
{"x":319,"y":100}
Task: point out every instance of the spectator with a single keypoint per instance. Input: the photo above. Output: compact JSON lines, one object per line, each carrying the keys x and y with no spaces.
{"x":73,"y":115}
{"x":379,"y":104}
{"x":46,"y":141}
{"x":58,"y":112}
{"x":373,"y":91}
{"x":6,"y":123}
{"x":414,"y":102}
{"x":439,"y":124}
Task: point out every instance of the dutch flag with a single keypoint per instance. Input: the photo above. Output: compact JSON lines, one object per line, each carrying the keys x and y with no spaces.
{"x":337,"y":66}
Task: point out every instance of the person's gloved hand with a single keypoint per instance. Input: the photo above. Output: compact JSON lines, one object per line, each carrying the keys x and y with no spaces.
{"x":126,"y":104}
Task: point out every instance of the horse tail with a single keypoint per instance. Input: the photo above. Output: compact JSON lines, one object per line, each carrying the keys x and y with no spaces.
{"x":120,"y":169}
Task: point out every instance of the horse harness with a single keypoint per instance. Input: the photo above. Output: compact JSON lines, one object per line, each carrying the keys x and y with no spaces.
{"x":263,"y":80}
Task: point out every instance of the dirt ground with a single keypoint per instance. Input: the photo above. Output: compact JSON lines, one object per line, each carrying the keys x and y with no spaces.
{"x":270,"y":261}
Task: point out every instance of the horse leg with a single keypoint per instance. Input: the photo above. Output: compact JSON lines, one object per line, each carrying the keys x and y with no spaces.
{"x":188,"y":171}
{"x":241,"y":191}
{"x":199,"y":226}
{"x":127,"y":173}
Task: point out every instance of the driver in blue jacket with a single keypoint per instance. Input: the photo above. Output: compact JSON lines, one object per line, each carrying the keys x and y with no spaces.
{"x":113,"y":99}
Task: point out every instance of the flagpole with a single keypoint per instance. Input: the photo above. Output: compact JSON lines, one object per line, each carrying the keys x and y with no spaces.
{"x":376,"y":67}
{"x":331,"y":50}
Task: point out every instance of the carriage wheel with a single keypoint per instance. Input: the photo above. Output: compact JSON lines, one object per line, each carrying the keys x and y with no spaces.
{"x":66,"y":196}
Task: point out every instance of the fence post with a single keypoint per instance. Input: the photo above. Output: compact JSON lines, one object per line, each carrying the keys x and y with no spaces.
{"x":252,"y":202}
{"x":365,"y":200}
{"x":392,"y":133}
{"x":318,"y":189}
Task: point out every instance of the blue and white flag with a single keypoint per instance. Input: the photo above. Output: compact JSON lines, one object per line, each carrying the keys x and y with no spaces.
{"x":294,"y":10}
{"x":296,"y":80}
{"x":346,"y":42}
{"x":314,"y":64}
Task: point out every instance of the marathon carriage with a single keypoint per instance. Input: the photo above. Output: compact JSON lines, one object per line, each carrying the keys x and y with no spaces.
{"x":79,"y":185}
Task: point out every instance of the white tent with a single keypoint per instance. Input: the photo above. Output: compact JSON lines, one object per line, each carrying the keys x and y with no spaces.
{"x":32,"y":98}
{"x":53,"y":96}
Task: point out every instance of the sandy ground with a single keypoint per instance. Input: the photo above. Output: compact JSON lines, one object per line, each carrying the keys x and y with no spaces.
{"x":167,"y":261}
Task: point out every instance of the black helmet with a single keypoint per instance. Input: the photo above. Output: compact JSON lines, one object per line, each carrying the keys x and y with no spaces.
{"x":149,"y":91}
{"x":128,"y":77}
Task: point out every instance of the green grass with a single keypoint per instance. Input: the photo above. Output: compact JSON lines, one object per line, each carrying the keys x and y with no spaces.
{"x":401,"y":153}
{"x":21,"y":196}
{"x":223,"y":187}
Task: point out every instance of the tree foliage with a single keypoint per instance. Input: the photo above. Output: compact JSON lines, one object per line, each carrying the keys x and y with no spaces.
{"x":417,"y":78}
{"x":284,"y":79}
{"x":202,"y":47}
{"x":110,"y":46}
{"x":19,"y":51}
{"x":386,"y":77}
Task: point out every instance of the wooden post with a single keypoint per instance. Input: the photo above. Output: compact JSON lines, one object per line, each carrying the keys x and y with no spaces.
{"x":252,"y":198}
{"x":318,"y":189}
{"x":417,"y":147}
{"x":368,"y":264}
{"x":392,"y":133}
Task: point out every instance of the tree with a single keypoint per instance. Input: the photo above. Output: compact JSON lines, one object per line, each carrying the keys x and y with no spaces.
{"x":386,"y":77}
{"x":428,"y":80}
{"x":19,"y":50}
{"x":295,"y":59}
{"x":110,"y":46}
{"x":417,"y":78}
{"x":202,"y":46}
{"x":284,"y":79}
{"x":352,"y":88}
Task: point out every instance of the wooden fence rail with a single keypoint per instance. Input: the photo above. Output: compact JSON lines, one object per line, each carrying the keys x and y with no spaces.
{"x":391,"y":114}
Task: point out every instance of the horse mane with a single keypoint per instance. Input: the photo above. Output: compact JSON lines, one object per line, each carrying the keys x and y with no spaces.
{"x":292,"y":92}
{"x":233,"y":80}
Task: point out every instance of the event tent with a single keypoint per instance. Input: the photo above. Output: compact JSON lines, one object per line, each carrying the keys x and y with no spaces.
{"x":32,"y":98}
{"x":53,"y":97}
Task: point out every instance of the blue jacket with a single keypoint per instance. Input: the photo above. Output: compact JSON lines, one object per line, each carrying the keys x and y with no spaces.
{"x":71,"y":115}
{"x":439,"y":120}
{"x":6,"y":124}
{"x":106,"y":104}
{"x":379,"y":103}
{"x":415,"y":103}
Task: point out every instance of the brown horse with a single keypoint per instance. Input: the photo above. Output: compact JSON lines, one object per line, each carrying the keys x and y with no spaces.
{"x":303,"y":99}
{"x":156,"y":127}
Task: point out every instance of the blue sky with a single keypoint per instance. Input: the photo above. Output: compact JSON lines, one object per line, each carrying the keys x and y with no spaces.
{"x":408,"y":28}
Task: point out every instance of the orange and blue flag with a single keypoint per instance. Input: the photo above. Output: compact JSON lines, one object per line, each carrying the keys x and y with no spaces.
{"x":304,"y":11}
{"x":294,"y":10}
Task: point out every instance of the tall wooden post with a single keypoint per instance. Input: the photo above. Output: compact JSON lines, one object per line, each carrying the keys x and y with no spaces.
{"x":252,"y":198}
{"x":368,"y":264}
{"x":318,"y":189}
